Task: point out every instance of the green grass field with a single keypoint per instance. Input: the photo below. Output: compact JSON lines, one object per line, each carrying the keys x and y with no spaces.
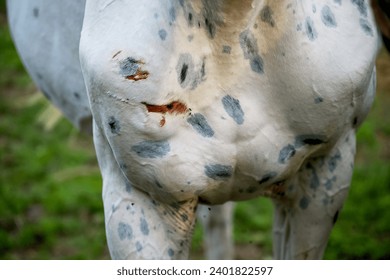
{"x":50,"y":185}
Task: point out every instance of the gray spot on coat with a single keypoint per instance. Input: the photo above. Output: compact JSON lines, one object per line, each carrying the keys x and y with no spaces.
{"x":226,"y":49}
{"x":311,"y":32}
{"x":314,"y":179}
{"x":250,"y":49}
{"x":366,"y":26}
{"x":163,"y":34}
{"x":218,"y":171}
{"x":171,"y":253}
{"x":114,"y":125}
{"x":185,"y":69}
{"x":304,"y":203}
{"x":128,"y":186}
{"x":266,"y":15}
{"x":144,"y":226}
{"x":333,"y":161}
{"x":286,"y":153}
{"x":129,"y":67}
{"x":125,"y":231}
{"x":328,"y":17}
{"x":200,"y":124}
{"x":362,"y":7}
{"x":151,"y":149}
{"x":233,"y":109}
{"x":36,"y":12}
{"x":172,"y":15}
{"x":138,"y":246}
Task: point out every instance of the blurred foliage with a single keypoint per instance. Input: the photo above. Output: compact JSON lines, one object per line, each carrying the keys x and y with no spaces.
{"x":50,"y":186}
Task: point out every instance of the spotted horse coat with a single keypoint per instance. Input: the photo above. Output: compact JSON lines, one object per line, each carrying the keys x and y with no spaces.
{"x":204,"y":102}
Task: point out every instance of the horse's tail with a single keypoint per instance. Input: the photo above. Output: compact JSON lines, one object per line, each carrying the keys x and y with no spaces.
{"x":381,"y":10}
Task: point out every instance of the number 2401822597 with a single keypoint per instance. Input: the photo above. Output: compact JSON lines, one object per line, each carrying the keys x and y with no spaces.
{"x":241,"y":270}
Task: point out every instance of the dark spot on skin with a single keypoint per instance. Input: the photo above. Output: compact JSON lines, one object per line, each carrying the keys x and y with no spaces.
{"x":304,"y":203}
{"x":311,"y":32}
{"x":226,"y":49}
{"x":314,"y":180}
{"x":128,"y":187}
{"x":366,"y":26}
{"x":310,"y":140}
{"x":328,"y":17}
{"x":286,"y":153}
{"x":218,"y":171}
{"x":199,"y":123}
{"x":172,"y":15}
{"x":335,"y":217}
{"x":138,"y":246}
{"x":250,"y":49}
{"x":203,"y":69}
{"x":183,"y":73}
{"x":130,"y":69}
{"x":267,"y":177}
{"x":362,"y":7}
{"x":151,"y":149}
{"x":114,"y":125}
{"x":266,"y":16}
{"x":190,"y":19}
{"x":328,"y":184}
{"x":318,"y":100}
{"x":233,"y":109}
{"x":76,"y":95}
{"x":332,"y":163}
{"x":314,"y":8}
{"x":185,"y":69}
{"x":210,"y":27}
{"x":171,"y":253}
{"x":36,"y":12}
{"x":114,"y":208}
{"x":163,"y":34}
{"x":338,"y":2}
{"x":144,"y":226}
{"x":125,"y":231}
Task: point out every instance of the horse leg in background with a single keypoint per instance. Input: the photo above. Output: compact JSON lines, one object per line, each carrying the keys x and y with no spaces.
{"x":217,"y":223}
{"x":307,"y":209}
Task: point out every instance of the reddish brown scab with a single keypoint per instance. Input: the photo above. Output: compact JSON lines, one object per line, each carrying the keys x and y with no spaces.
{"x":174,"y":107}
{"x":139,"y":75}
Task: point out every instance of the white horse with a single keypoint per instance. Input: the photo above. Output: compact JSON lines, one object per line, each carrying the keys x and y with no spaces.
{"x":205,"y":102}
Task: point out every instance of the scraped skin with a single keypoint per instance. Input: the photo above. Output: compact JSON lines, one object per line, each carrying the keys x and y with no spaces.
{"x":211,"y":101}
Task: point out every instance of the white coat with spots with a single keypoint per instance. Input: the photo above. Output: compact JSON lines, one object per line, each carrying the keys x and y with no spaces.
{"x":205,"y":102}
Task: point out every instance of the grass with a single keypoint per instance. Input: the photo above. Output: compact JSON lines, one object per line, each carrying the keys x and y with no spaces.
{"x":50,"y":186}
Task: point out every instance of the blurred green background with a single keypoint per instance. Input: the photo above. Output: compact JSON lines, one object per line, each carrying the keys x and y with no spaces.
{"x":50,"y":185}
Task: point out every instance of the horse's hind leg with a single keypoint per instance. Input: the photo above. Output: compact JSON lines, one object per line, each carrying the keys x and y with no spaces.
{"x":306,"y":212}
{"x":217,"y":222}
